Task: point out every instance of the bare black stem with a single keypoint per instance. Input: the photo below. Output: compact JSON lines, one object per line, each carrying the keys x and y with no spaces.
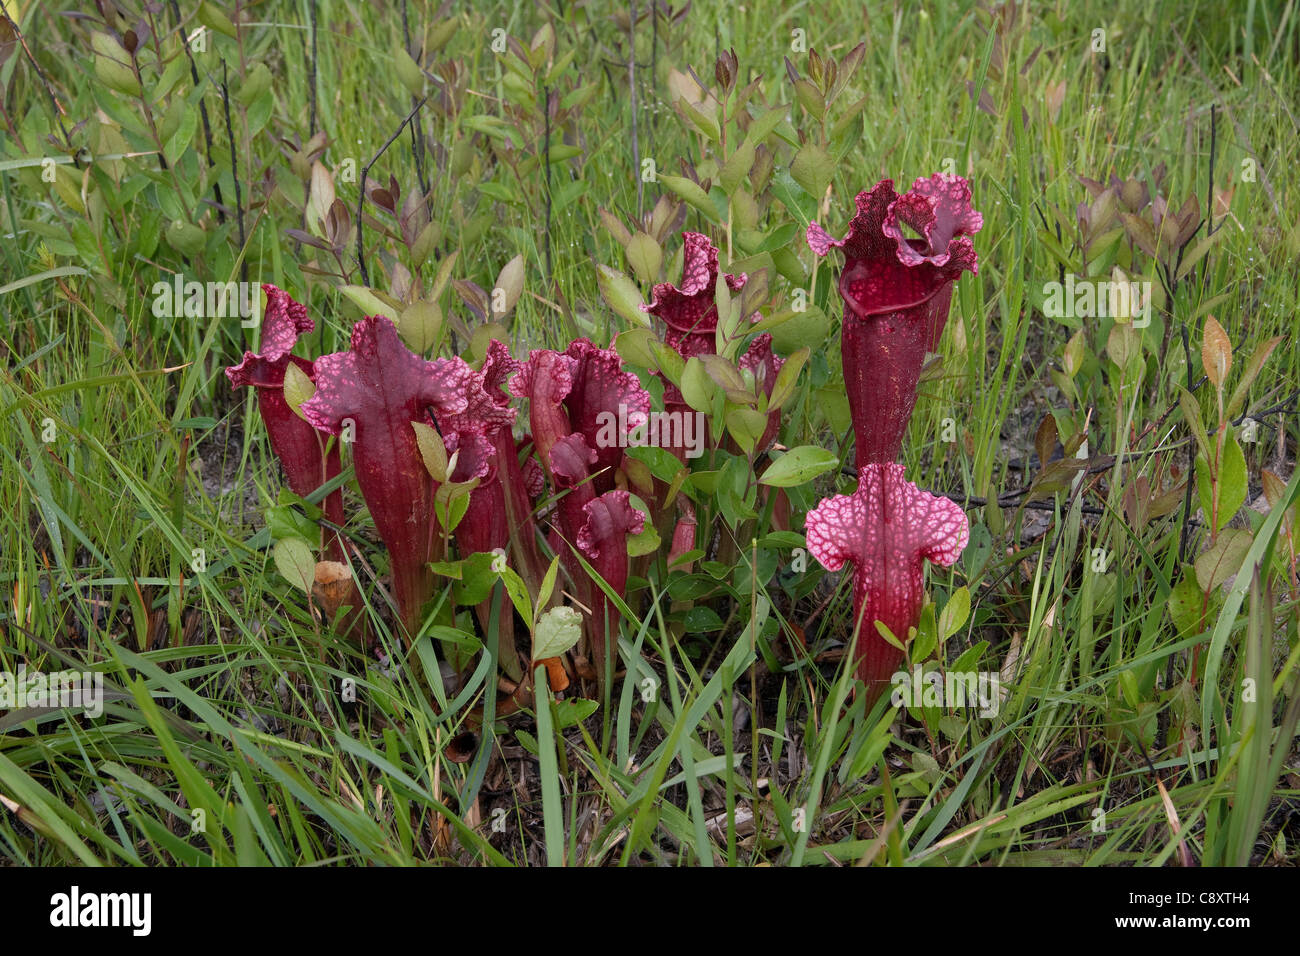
{"x":361,"y":193}
{"x":631,"y":83}
{"x":546,"y":161}
{"x":654,"y":71}
{"x":1162,"y":720}
{"x":1107,"y":463}
{"x":203,"y":111}
{"x":417,"y":136}
{"x":1209,"y":181}
{"x":45,"y":81}
{"x":311,"y":80}
{"x":1191,"y":463}
{"x":234,"y":174}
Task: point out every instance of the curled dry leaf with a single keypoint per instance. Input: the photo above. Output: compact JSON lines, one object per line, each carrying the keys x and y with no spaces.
{"x":461,"y":748}
{"x":1216,"y":352}
{"x":333,"y":590}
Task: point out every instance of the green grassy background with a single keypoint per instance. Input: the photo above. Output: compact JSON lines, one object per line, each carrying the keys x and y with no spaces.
{"x":1124,"y":738}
